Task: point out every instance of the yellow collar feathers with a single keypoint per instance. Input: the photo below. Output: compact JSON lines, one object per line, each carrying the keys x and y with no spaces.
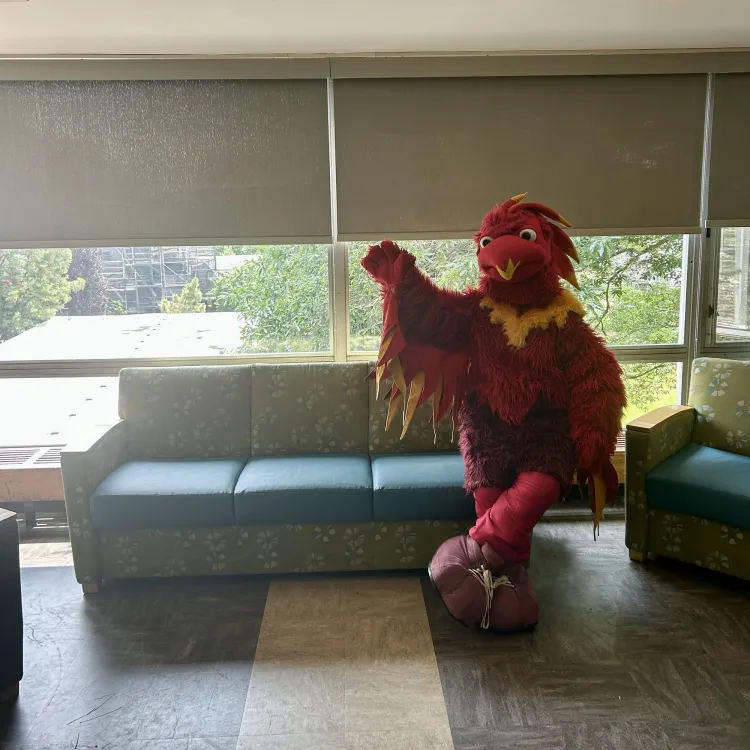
{"x":518,"y":327}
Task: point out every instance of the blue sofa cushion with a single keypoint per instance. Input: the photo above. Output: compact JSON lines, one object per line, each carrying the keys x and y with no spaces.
{"x":167,"y":494}
{"x":304,"y":489}
{"x":703,"y":482}
{"x":420,"y":487}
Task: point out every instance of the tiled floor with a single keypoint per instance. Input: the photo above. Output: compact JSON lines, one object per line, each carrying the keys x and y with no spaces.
{"x":650,"y":656}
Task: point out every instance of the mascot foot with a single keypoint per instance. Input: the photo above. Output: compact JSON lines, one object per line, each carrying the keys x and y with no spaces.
{"x":480,"y":589}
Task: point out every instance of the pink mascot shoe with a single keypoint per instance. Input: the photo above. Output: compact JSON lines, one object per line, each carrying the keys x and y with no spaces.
{"x":479,"y":589}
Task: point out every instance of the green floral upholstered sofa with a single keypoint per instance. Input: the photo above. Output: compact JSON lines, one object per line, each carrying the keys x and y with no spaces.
{"x":258,"y":469}
{"x":688,"y":473}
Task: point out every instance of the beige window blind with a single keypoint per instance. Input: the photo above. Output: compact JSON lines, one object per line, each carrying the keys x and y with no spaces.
{"x":729,"y":178}
{"x":163,"y":162}
{"x":428,"y":157}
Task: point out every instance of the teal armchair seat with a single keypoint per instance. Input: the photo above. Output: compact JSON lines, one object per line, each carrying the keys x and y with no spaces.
{"x":688,"y":473}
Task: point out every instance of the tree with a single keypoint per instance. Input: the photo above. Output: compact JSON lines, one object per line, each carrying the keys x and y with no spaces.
{"x":92,"y":299}
{"x":282,"y":297}
{"x":34,"y":285}
{"x":189,"y":300}
{"x":117,"y":308}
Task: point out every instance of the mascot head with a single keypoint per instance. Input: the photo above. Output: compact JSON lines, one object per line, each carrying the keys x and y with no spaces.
{"x":522,"y":252}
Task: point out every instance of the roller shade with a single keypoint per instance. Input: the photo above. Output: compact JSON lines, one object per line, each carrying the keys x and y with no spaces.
{"x":419,"y":157}
{"x":729,"y":177}
{"x":163,"y":162}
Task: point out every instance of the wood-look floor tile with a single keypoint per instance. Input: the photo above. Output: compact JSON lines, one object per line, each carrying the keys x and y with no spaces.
{"x":581,"y":692}
{"x":428,"y":738}
{"x":388,"y":641}
{"x":509,"y":738}
{"x":688,"y":688}
{"x":484,"y":694}
{"x":294,"y":700}
{"x":395,"y":698}
{"x":302,"y":643}
{"x":293,"y":742}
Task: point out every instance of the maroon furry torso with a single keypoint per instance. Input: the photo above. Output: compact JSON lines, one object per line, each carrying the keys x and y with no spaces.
{"x":515,"y":416}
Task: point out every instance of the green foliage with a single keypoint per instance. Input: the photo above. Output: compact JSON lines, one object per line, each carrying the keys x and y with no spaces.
{"x":87,"y":265}
{"x":282,"y":297}
{"x":189,"y":300}
{"x":117,"y":308}
{"x":34,"y":285}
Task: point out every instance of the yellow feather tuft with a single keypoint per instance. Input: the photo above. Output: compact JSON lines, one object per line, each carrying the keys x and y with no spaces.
{"x":518,"y":198}
{"x":600,"y":500}
{"x":415,"y":393}
{"x":386,"y":343}
{"x":379,"y":372}
{"x":572,"y":252}
{"x":394,"y":405}
{"x":564,"y":221}
{"x":572,"y":279}
{"x":398,"y":374}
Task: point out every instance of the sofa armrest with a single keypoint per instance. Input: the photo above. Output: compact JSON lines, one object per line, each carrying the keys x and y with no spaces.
{"x":649,"y":440}
{"x":85,"y":463}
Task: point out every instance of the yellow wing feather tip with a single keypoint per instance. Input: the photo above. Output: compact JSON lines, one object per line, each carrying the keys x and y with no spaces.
{"x":564,"y":221}
{"x":518,"y":198}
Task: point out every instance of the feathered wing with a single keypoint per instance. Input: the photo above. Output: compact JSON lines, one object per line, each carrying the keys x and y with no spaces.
{"x":424,"y":348}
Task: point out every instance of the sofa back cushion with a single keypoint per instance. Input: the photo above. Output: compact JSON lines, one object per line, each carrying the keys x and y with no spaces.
{"x":421,"y":436}
{"x":309,"y":408}
{"x":187,"y":412}
{"x":720,"y":393}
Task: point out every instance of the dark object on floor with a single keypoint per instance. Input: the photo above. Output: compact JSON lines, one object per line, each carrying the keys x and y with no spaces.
{"x":11,"y":623}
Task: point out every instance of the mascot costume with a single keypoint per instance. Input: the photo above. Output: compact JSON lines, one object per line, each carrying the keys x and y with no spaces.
{"x":537,"y":395}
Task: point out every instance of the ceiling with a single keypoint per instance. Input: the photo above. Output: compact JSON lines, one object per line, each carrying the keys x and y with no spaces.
{"x":268,"y":27}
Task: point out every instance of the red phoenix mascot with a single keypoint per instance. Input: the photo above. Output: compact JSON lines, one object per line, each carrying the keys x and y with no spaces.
{"x":536,"y":393}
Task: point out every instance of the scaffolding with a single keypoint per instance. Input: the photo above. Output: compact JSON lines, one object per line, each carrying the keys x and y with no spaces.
{"x":140,"y":277}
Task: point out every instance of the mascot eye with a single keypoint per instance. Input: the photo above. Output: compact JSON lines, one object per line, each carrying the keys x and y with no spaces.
{"x":527,"y":234}
{"x":485,"y":241}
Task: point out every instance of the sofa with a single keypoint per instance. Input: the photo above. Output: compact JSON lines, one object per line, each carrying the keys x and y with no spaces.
{"x":688,"y":473}
{"x":253,"y":469}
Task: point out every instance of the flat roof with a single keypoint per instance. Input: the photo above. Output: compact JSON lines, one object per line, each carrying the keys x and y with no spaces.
{"x":150,"y":335}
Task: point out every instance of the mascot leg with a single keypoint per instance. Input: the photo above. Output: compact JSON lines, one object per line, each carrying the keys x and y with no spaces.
{"x":481,"y":577}
{"x":506,"y":526}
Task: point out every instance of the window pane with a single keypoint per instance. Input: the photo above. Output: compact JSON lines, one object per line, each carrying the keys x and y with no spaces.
{"x":650,"y":385}
{"x":51,"y":411}
{"x":159,"y":302}
{"x":449,"y":263}
{"x":631,"y":286}
{"x":733,"y":308}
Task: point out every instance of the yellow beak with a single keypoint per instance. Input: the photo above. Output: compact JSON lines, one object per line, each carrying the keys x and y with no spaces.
{"x":507,"y":274}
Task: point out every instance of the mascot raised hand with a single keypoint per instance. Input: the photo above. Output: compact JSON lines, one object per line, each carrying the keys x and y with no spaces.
{"x":536,"y":394}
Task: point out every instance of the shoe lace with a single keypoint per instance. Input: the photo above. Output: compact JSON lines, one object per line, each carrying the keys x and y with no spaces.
{"x":490,"y":583}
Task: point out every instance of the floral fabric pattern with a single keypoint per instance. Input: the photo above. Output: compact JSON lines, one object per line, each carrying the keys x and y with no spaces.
{"x":290,"y":548}
{"x":187,"y":412}
{"x":643,"y":452}
{"x":82,"y":473}
{"x":701,"y":542}
{"x":720,"y":393}
{"x":720,"y":418}
{"x":308,"y":409}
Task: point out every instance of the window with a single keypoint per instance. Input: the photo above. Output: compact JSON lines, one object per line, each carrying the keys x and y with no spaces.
{"x":649,"y":385}
{"x":49,"y":411}
{"x":733,"y":286}
{"x":163,"y":302}
{"x":630,"y":286}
